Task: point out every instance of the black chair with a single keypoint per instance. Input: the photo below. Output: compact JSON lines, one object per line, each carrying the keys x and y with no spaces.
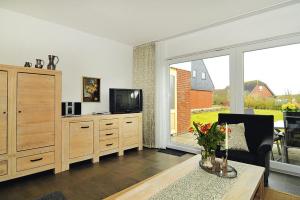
{"x":278,"y":136}
{"x":259,"y":130}
{"x":278,"y":140}
{"x":292,"y":133}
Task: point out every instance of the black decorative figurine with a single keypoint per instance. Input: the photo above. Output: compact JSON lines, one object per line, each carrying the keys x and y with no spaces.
{"x":51,"y":64}
{"x":27,"y":64}
{"x":39,"y":63}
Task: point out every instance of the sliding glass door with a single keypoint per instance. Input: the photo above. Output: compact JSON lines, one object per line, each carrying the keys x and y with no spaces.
{"x":257,"y":78}
{"x":272,"y":86}
{"x":199,"y":90}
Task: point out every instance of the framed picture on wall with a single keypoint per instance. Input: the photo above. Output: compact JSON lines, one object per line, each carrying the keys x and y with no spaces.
{"x":90,"y":89}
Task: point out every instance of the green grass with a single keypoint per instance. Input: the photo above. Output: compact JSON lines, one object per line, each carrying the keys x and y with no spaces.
{"x":277,"y":113}
{"x":207,"y":117}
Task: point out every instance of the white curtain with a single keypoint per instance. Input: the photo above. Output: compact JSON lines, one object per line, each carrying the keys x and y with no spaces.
{"x":144,"y":78}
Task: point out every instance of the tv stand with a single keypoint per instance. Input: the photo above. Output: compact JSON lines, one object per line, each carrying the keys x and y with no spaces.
{"x":92,"y":136}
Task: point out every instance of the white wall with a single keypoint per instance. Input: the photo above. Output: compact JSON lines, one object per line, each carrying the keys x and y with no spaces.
{"x":24,"y":38}
{"x":273,"y":23}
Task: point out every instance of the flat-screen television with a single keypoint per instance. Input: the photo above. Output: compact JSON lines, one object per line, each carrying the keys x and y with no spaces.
{"x":125,"y":100}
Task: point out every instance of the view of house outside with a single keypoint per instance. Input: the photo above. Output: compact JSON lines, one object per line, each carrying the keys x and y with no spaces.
{"x":200,"y":89}
{"x":198,"y":93}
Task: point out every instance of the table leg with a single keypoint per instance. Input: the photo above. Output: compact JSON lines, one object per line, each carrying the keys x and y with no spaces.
{"x":259,"y":195}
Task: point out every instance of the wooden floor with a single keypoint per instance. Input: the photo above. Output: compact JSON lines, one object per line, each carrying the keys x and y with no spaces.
{"x":86,"y":181}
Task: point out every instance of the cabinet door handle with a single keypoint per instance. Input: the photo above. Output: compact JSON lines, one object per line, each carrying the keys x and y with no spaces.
{"x":109,"y":124}
{"x":4,"y":112}
{"x":109,"y":144}
{"x":19,"y":111}
{"x":128,"y":122}
{"x":85,"y":127}
{"x":35,"y":160}
{"x":109,"y":134}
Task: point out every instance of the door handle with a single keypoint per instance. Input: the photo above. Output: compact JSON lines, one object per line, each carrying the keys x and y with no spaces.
{"x":35,"y":160}
{"x":109,"y":144}
{"x":4,"y":112}
{"x":19,"y":111}
{"x":109,"y":124}
{"x":109,"y":134}
{"x":128,"y":122}
{"x":85,"y":127}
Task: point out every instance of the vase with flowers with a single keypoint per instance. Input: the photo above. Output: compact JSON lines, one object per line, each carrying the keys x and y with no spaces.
{"x":209,"y":136}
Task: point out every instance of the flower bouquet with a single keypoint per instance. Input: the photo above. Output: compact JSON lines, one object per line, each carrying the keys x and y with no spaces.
{"x":209,"y":136}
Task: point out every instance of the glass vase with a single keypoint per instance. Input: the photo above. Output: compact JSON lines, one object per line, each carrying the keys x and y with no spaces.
{"x":208,"y":158}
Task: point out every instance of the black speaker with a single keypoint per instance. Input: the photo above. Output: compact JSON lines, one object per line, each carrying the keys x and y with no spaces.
{"x":63,"y":108}
{"x":77,"y":108}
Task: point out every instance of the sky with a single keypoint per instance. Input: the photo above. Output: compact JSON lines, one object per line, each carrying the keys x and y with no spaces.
{"x":278,"y":67}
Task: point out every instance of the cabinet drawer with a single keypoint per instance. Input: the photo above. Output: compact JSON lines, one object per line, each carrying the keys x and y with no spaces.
{"x":30,"y":162}
{"x":81,"y":139}
{"x":109,"y":134}
{"x":109,"y":144}
{"x":3,"y":167}
{"x":84,"y":126}
{"x":128,"y":141}
{"x":130,"y":127}
{"x":106,"y":124}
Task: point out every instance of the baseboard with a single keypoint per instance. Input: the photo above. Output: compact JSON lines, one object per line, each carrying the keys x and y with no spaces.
{"x":285,"y":168}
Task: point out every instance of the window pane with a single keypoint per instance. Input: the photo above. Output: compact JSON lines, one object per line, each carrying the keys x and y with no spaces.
{"x":201,"y":92}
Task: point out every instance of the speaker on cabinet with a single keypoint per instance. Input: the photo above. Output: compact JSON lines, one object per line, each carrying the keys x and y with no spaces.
{"x":63,"y":108}
{"x":77,"y":108}
{"x":70,"y":108}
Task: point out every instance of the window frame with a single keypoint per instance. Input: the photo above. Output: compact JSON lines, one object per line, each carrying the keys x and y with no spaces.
{"x":236,"y":83}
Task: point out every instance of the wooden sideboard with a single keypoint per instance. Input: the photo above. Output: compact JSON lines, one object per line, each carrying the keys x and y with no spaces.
{"x":33,"y":135}
{"x":30,"y":123}
{"x":91,"y":136}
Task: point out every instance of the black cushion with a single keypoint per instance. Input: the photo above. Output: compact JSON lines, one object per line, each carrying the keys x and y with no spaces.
{"x":257,"y":127}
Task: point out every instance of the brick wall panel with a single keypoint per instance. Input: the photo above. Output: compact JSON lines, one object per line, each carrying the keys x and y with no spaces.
{"x":183,"y":100}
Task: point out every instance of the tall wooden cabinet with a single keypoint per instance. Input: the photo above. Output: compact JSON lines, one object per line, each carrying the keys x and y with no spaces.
{"x":3,"y":124}
{"x":3,"y":112}
{"x":30,"y":125}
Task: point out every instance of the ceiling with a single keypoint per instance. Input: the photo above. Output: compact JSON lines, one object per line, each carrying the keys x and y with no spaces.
{"x":136,"y":22}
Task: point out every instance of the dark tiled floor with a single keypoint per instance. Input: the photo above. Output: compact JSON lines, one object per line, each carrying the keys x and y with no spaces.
{"x":86,"y":181}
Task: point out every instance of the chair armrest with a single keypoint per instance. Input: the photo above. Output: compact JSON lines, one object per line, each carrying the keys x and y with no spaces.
{"x":265,"y":146}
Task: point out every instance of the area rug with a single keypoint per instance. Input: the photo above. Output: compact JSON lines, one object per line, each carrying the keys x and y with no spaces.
{"x":271,"y":194}
{"x":200,"y":185}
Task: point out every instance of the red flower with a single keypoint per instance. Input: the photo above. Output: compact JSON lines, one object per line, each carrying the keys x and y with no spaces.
{"x":222,"y":129}
{"x":191,"y":130}
{"x":205,"y":128}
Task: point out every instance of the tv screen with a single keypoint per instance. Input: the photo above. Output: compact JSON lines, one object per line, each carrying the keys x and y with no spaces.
{"x":125,"y":100}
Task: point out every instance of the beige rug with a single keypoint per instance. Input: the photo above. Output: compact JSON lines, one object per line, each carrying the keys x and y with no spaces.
{"x":271,"y":194}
